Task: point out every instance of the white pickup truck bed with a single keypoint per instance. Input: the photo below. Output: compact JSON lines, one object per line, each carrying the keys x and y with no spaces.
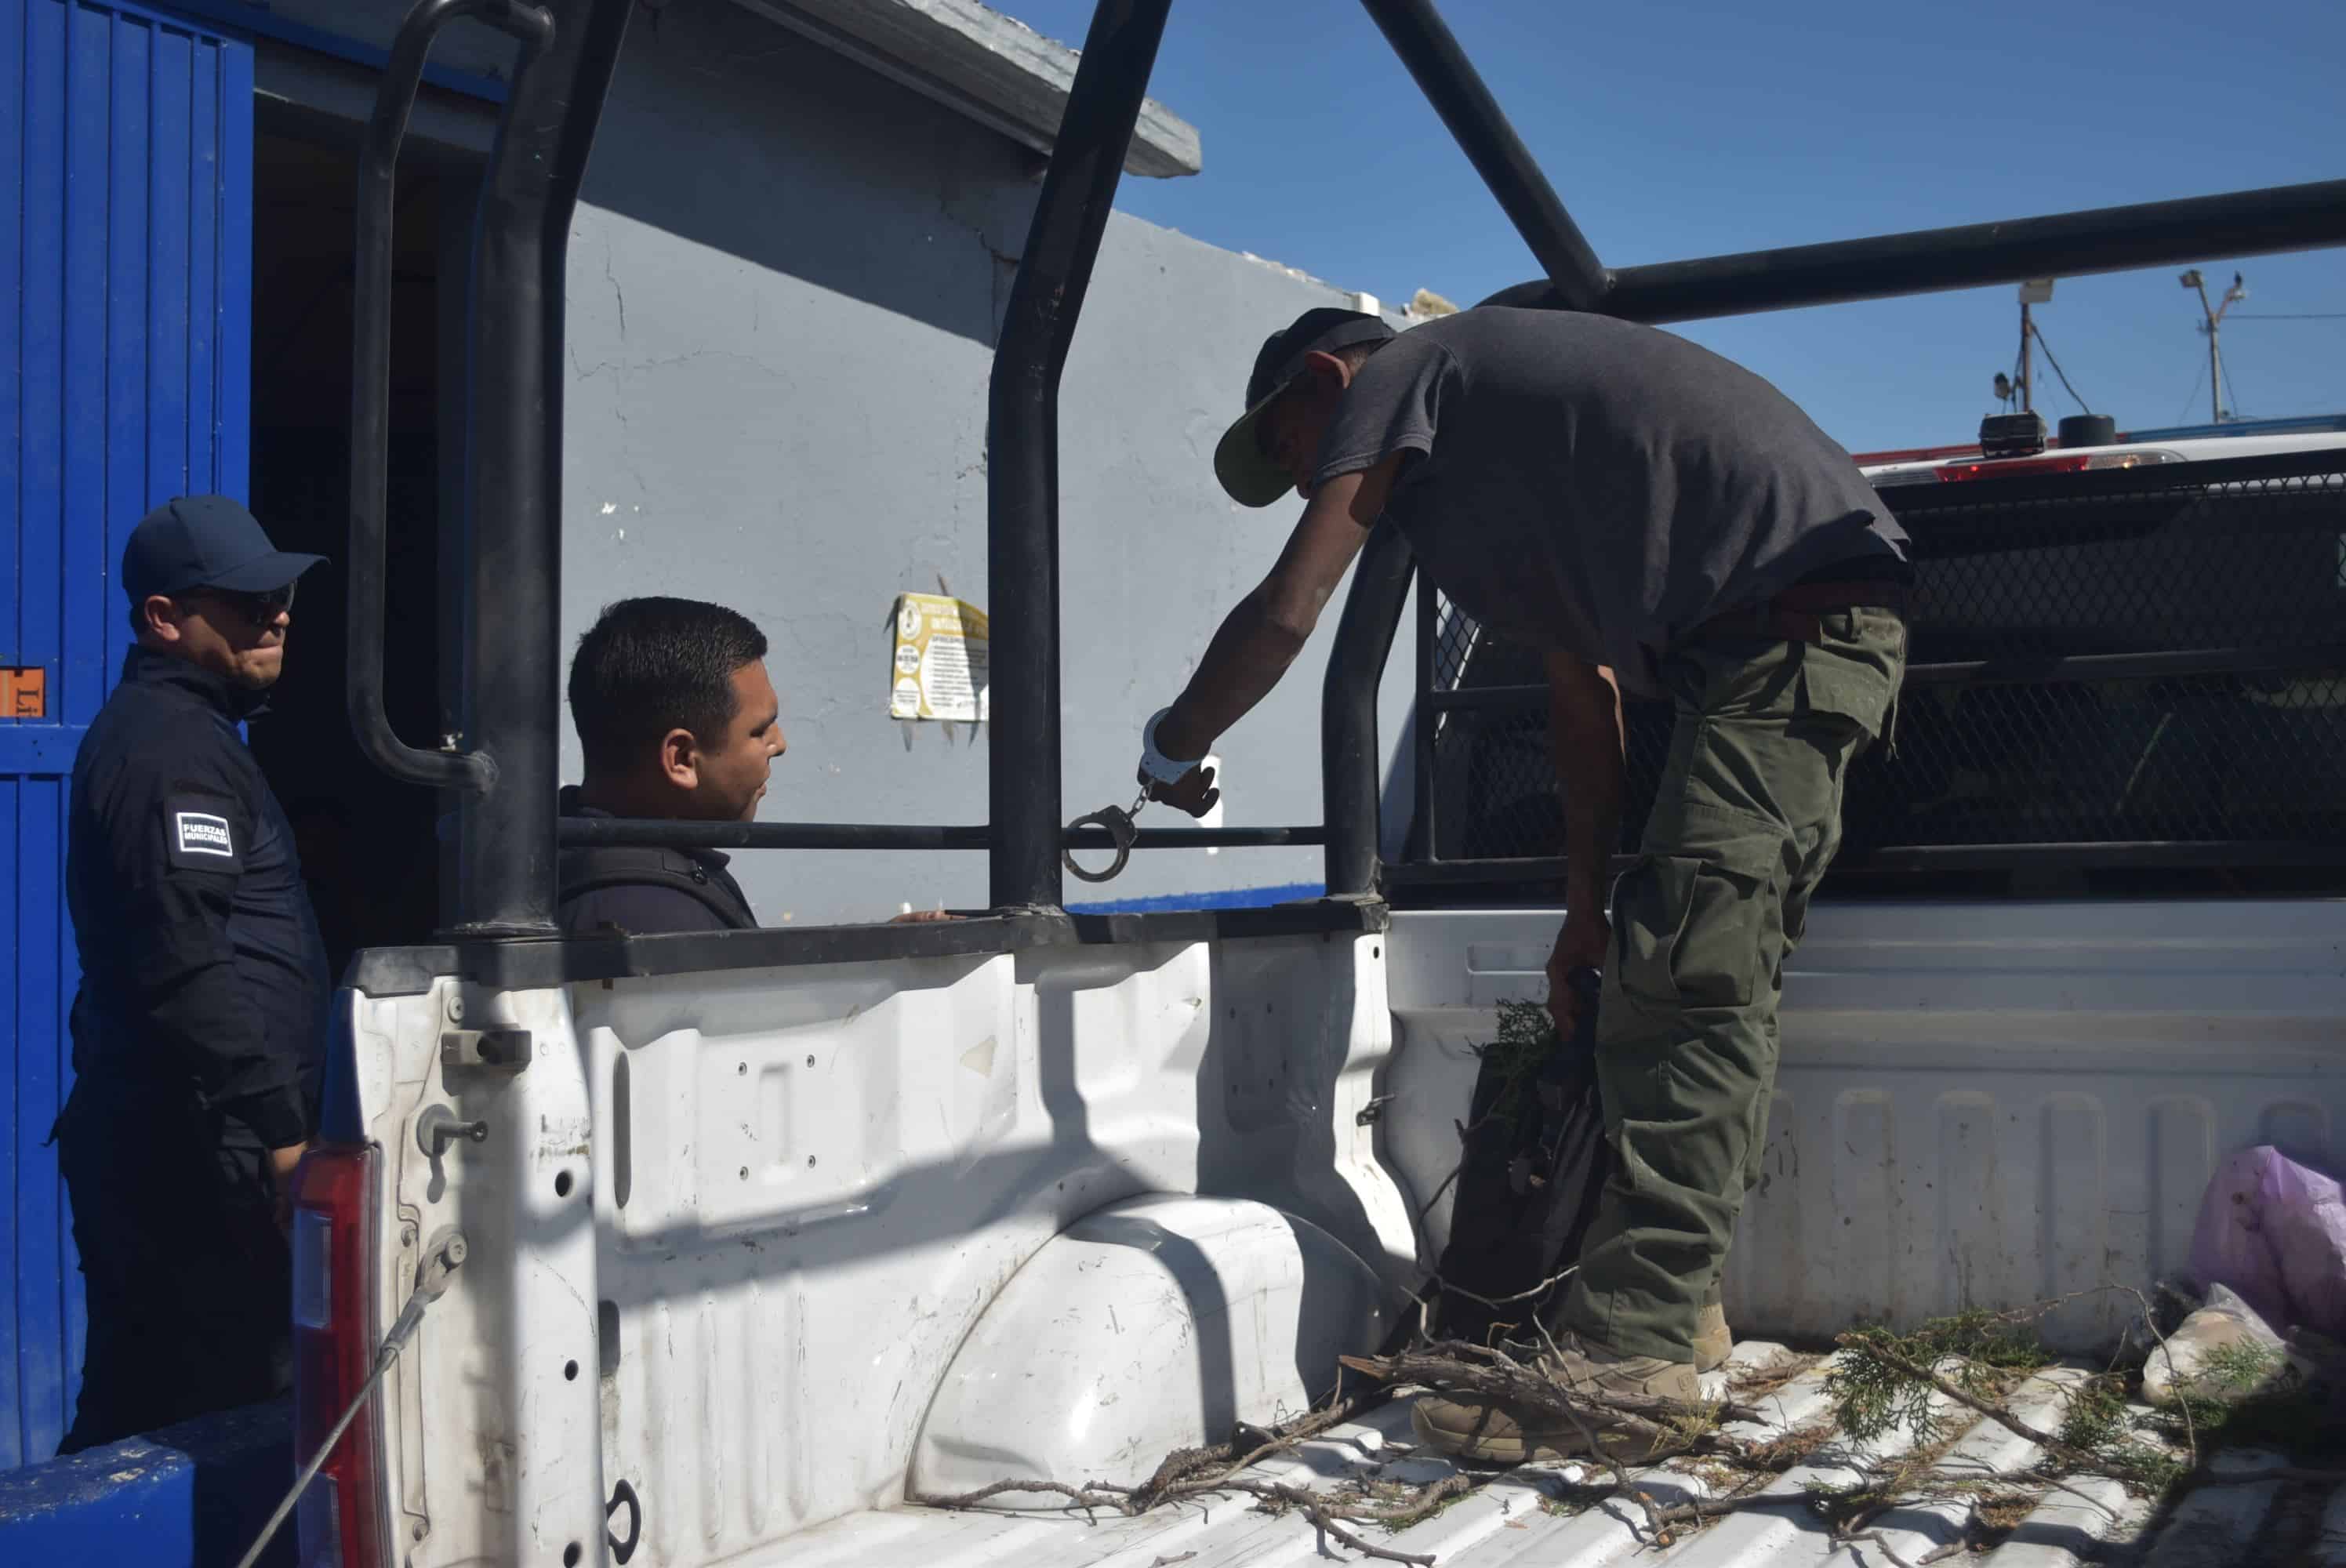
{"x":775,"y":1242}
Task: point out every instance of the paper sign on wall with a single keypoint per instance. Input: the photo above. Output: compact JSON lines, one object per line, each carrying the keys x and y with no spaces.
{"x":938,"y":663}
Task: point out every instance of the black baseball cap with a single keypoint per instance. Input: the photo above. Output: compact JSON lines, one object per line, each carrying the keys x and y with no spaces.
{"x":194,"y":542}
{"x":1252,"y":478}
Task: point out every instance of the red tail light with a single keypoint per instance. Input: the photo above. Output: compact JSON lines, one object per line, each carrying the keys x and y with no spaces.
{"x":334,"y":1337}
{"x":2003,"y":467}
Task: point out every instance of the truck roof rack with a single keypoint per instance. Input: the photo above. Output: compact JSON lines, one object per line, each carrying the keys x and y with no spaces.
{"x":502,"y":765}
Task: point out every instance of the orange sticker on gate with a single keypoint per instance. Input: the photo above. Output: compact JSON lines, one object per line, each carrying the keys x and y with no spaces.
{"x":23,"y":692}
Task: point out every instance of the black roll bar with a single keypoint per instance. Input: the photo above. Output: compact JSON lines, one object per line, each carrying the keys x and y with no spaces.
{"x":2163,"y":665}
{"x":1350,"y":784}
{"x":507,"y":827}
{"x":1971,"y":255}
{"x":512,"y":589}
{"x":533,"y":28}
{"x":1511,"y":876}
{"x":1022,"y":446}
{"x":1575,"y":279}
{"x":675,"y":835}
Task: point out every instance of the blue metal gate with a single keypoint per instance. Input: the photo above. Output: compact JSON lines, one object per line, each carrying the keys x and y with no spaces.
{"x":126,"y":167}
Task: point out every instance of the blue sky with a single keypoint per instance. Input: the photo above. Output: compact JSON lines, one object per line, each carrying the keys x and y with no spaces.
{"x":1683,"y":130}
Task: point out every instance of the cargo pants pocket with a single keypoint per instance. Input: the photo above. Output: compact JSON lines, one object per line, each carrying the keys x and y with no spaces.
{"x":1854,"y":671}
{"x":1694,"y":929}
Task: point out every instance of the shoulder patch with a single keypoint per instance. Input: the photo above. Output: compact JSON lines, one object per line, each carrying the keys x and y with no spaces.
{"x":202,"y":834}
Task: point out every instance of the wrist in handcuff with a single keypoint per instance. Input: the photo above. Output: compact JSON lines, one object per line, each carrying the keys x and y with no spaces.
{"x":1156,"y":764}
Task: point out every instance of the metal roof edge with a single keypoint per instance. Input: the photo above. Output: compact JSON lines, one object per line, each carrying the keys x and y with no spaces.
{"x":980,"y":63}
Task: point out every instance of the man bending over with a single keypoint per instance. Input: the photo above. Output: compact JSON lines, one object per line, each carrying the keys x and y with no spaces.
{"x":1651,"y":518}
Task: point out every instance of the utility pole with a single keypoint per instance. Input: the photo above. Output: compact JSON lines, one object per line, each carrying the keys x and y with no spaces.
{"x":2215,"y":314}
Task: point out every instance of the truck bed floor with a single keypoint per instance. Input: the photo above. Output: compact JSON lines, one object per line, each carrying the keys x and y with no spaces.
{"x":1517,"y":1519}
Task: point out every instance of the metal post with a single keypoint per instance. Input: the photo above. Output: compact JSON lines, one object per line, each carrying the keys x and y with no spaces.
{"x":505,"y":836}
{"x":371,"y":283}
{"x":1425,"y":725}
{"x":2215,"y":373}
{"x":1448,"y":79}
{"x":1022,"y":445}
{"x":2028,"y":399}
{"x":2215,"y":314}
{"x":2067,"y":244}
{"x":1348,"y":761}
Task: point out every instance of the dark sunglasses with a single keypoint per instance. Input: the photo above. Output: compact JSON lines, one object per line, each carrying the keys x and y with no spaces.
{"x":261,"y":609}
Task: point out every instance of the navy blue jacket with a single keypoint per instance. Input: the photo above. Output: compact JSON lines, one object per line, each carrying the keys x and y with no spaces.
{"x":204,"y":981}
{"x":645,"y":892}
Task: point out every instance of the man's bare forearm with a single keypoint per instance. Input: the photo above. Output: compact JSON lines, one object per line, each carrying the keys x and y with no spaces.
{"x":1585,"y":729}
{"x":1249,"y":655}
{"x":1260,"y":638}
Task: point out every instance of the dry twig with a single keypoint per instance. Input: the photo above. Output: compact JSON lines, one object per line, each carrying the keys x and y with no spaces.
{"x":1875,"y":1538}
{"x":1325,"y":1521}
{"x":1452,"y":1363}
{"x":1309,"y":1427}
{"x":1088,"y":1496}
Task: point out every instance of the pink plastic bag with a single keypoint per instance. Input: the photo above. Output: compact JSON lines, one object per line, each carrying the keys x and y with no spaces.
{"x":2275,"y":1232}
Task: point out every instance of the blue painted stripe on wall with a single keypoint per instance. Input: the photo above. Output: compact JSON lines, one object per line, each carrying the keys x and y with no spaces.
{"x":1227,"y":899}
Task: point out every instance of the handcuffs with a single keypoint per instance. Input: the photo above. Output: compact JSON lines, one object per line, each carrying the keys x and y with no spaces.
{"x":1118,"y":822}
{"x":1119,"y":819}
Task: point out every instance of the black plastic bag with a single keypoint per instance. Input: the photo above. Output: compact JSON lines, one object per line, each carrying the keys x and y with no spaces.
{"x":1535,"y":1164}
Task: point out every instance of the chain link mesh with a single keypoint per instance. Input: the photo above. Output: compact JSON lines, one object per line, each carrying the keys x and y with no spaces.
{"x":2254,"y":565}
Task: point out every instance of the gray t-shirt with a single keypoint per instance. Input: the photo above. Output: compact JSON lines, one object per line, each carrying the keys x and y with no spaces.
{"x":1596,"y":487}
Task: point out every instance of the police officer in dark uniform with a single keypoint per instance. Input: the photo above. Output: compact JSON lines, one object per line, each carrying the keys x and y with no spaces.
{"x":198,"y":1028}
{"x":679,"y":721}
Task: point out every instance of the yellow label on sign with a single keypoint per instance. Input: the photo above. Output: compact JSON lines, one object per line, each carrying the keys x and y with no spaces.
{"x":23,"y":692}
{"x":938,"y":658}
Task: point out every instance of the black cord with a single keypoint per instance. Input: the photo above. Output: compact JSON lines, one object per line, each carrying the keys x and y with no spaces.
{"x":2058,"y":371}
{"x":2185,"y":411}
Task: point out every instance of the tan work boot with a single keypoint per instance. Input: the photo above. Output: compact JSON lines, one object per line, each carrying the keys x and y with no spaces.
{"x":1712,"y":1342}
{"x":1495,"y":1432}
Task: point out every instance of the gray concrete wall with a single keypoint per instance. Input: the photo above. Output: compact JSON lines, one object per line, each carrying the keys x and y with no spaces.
{"x":786,"y":277}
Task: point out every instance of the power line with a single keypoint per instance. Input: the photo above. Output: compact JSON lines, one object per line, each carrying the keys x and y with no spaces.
{"x":2197,"y":377}
{"x":2316,"y":316}
{"x":2082,"y":406}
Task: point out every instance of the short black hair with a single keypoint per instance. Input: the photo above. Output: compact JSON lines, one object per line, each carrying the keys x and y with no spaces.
{"x":652,"y":665}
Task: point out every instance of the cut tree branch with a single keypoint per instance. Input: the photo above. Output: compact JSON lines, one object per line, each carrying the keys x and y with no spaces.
{"x":1324,"y":1520}
{"x":1446,"y":1365}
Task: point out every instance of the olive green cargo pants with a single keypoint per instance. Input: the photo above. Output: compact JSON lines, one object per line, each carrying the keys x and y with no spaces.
{"x":1745,"y":823}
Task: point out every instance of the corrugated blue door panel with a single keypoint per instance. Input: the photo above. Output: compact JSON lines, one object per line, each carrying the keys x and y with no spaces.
{"x":125,"y":161}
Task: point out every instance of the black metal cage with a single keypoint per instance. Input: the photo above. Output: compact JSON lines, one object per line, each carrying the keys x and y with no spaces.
{"x":1997,"y":577}
{"x":2140,"y":667}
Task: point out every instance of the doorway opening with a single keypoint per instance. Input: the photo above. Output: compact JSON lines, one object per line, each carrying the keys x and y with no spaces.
{"x":369,"y":846}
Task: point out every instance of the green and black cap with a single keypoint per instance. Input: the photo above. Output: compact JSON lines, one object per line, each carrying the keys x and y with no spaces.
{"x":1245,"y":470}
